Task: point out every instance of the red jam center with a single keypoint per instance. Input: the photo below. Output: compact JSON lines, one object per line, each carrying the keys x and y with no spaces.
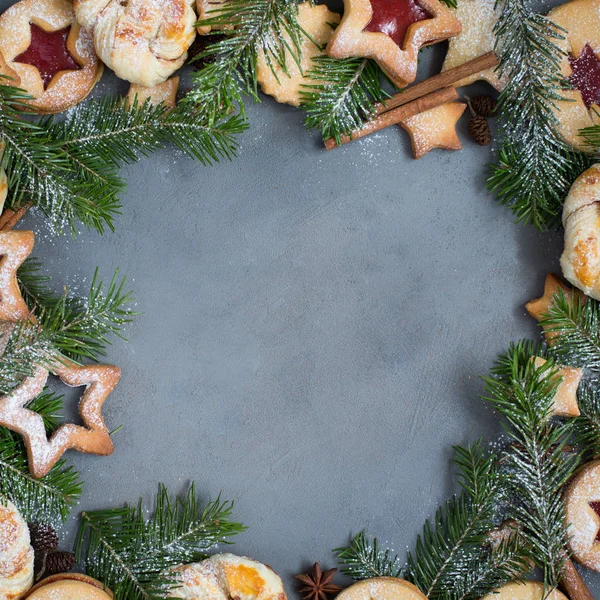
{"x":48,"y":53}
{"x":586,"y":75}
{"x":595,"y":506}
{"x":394,"y":17}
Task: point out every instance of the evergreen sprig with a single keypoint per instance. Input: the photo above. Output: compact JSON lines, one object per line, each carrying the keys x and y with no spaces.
{"x":364,"y":559}
{"x":51,"y":498}
{"x":251,"y":26}
{"x":587,"y":425}
{"x":342,"y":96}
{"x":538,"y":467}
{"x":535,"y":167}
{"x":133,"y":555}
{"x":574,"y":320}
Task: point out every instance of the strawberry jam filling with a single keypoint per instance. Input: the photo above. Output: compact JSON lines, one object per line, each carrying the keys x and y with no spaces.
{"x":595,"y":506}
{"x":586,"y":75}
{"x":394,"y":17}
{"x":48,"y":53}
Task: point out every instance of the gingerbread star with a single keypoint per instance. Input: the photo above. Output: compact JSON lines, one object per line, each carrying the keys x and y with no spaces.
{"x":15,"y":247}
{"x":92,"y":438}
{"x":478,"y":19}
{"x":540,"y":307}
{"x":392,"y":35}
{"x":565,"y":398}
{"x":434,"y":128}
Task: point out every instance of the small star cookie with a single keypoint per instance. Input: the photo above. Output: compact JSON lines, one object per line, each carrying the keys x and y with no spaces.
{"x":434,"y":128}
{"x":285,"y":86}
{"x":565,"y":399}
{"x":208,"y":9}
{"x":164,"y":93}
{"x":392,"y":33}
{"x":478,"y":18}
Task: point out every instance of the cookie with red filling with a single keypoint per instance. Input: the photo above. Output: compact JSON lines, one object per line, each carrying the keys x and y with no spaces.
{"x":44,"y":51}
{"x":392,"y":32}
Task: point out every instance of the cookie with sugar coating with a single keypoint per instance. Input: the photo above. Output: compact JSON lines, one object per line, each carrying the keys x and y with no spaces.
{"x":70,"y":586}
{"x":530,"y":590}
{"x":382,"y":588}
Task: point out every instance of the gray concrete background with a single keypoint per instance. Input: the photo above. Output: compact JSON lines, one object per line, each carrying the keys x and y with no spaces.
{"x":314,"y":327}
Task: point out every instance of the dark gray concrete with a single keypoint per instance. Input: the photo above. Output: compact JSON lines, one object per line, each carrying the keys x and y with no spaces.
{"x":314,"y":327}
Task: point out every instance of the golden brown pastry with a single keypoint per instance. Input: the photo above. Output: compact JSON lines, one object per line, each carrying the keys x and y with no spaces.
{"x":382,"y":588}
{"x":69,"y":586}
{"x":580,"y":261}
{"x":393,"y":38}
{"x":581,"y":20}
{"x":582,"y":500}
{"x":530,"y":590}
{"x":164,"y":93}
{"x":45,"y":52}
{"x":225,"y":576}
{"x":318,"y":22}
{"x":142,"y":41}
{"x":16,"y":553}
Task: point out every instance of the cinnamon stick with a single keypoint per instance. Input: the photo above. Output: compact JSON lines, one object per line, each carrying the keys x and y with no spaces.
{"x":424,"y":88}
{"x":573,"y":584}
{"x":9,"y":218}
{"x":399,"y":114}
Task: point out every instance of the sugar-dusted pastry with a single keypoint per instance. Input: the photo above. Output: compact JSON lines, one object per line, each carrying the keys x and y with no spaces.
{"x":530,"y":590}
{"x":45,"y":52}
{"x":582,"y":500}
{"x":580,"y":261}
{"x":164,"y":93}
{"x":16,"y":553}
{"x":581,"y":46}
{"x":434,"y":128}
{"x":142,"y":41}
{"x":382,"y":588}
{"x":318,"y":22}
{"x":69,"y":586}
{"x":478,"y":18}
{"x":392,"y":33}
{"x":207,"y":9}
{"x":565,"y":399}
{"x":225,"y":576}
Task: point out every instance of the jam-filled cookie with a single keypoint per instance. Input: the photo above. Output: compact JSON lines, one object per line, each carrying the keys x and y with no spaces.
{"x":583,"y":515}
{"x":581,"y":65}
{"x":317,"y":22}
{"x":392,"y":32}
{"x":47,"y":53}
{"x":142,"y":41}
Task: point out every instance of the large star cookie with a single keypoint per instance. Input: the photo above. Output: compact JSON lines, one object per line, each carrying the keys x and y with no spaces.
{"x":478,"y":18}
{"x":392,"y":33}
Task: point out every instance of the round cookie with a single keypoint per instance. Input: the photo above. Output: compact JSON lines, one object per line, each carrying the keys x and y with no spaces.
{"x":16,"y":553}
{"x":225,"y":576}
{"x":45,"y":52}
{"x":581,"y":45}
{"x":318,"y":23}
{"x":382,"y":588}
{"x":530,"y":590}
{"x":68,"y":586}
{"x":142,"y":41}
{"x":582,"y":500}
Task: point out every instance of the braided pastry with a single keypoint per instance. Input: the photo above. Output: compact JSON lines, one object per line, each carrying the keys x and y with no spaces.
{"x":580,"y":261}
{"x":16,"y":553}
{"x":143,"y":41}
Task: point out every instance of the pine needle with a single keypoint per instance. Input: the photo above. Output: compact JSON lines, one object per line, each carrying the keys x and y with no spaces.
{"x":363,"y":559}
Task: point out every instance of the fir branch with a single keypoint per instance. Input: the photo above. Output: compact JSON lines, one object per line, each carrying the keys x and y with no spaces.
{"x":591,"y":135}
{"x":49,"y":406}
{"x":523,"y":394}
{"x":342,"y":97}
{"x":49,"y":499}
{"x":587,"y":425}
{"x":133,"y":555}
{"x":269,"y":26}
{"x":459,"y":533}
{"x":535,"y":167}
{"x":575,"y":320}
{"x":364,"y":559}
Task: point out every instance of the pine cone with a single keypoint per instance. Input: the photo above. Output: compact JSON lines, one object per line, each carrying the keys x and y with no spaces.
{"x":43,"y":537}
{"x":59,"y":562}
{"x":484,"y":106}
{"x":479,"y":130}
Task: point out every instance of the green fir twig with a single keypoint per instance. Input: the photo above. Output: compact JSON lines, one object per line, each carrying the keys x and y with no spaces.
{"x":364,"y":559}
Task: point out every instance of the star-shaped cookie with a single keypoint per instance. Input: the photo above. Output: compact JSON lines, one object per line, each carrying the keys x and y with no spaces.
{"x":15,"y":247}
{"x":398,"y":60}
{"x":164,"y":93}
{"x":434,"y":128}
{"x":565,"y":399}
{"x":478,"y":18}
{"x":92,"y":438}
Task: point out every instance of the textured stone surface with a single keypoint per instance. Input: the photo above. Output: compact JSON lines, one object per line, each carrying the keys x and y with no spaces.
{"x":314,"y":327}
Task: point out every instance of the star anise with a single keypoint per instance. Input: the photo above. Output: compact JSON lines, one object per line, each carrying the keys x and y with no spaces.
{"x":317,"y":585}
